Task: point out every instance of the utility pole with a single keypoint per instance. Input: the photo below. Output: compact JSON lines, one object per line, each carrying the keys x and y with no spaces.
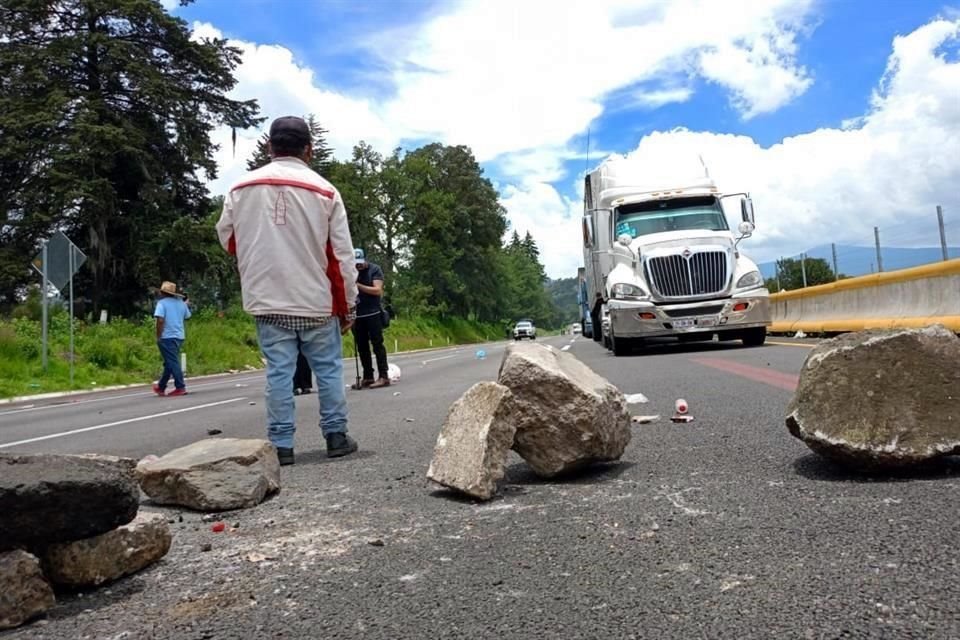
{"x":876,"y":235}
{"x":803,"y":268}
{"x":836,"y":271}
{"x":943,"y":233}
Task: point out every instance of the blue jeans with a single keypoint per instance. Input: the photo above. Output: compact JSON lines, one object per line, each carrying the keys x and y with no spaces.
{"x":170,"y":350}
{"x":323,"y":350}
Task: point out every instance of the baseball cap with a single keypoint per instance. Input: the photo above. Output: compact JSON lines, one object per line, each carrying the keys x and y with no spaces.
{"x":359,"y":255}
{"x":290,"y":131}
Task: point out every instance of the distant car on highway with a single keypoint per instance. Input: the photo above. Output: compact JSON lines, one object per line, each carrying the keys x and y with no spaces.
{"x":524,"y":329}
{"x":576,"y":329}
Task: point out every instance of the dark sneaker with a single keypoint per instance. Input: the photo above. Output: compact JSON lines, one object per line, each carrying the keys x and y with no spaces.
{"x":381,"y":382}
{"x":366,"y":382}
{"x":340,"y":444}
{"x":285,"y":456}
{"x":296,"y":392}
{"x":306,"y":392}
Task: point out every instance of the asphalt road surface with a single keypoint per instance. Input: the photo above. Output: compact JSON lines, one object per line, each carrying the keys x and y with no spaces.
{"x":725,"y":527}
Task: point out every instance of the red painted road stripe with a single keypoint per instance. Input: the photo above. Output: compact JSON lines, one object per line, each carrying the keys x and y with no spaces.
{"x":773,"y":378}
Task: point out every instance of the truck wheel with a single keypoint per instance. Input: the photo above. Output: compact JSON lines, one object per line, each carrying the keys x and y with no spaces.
{"x":754,"y":337}
{"x":620,"y":346}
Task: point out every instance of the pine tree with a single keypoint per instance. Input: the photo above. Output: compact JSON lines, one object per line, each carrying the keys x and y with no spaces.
{"x":261,"y":155}
{"x":322,"y":159}
{"x":106,"y":109}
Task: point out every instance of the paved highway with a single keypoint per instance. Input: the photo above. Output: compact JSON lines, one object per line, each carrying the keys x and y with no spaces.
{"x":725,"y":527}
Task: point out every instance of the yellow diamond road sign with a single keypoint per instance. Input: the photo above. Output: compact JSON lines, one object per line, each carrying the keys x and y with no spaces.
{"x":59,"y":264}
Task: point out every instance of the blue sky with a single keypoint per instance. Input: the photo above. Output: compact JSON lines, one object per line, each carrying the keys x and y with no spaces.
{"x":815,"y":107}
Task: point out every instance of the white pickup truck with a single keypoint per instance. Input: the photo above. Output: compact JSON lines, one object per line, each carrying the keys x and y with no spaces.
{"x":524,"y":329}
{"x":661,"y":260}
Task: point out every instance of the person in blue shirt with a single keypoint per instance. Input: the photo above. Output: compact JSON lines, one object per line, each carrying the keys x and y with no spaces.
{"x":170,"y":313}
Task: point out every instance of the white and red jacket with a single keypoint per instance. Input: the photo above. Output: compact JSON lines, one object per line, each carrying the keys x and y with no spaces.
{"x":288,"y":228}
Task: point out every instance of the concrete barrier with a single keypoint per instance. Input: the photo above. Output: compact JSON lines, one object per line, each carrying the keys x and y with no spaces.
{"x":915,"y":297}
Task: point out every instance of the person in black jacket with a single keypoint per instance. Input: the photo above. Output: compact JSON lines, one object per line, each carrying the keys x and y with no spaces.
{"x":302,"y":377}
{"x":369,"y":325}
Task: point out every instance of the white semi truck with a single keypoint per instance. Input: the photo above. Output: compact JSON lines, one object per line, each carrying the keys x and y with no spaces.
{"x":660,"y":260}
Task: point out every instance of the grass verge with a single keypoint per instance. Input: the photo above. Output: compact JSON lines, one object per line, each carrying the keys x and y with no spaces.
{"x":125,"y":352}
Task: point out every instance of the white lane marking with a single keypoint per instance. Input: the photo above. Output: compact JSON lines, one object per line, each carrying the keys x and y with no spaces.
{"x":68,"y":404}
{"x":63,"y":434}
{"x":565,"y":347}
{"x":442,"y":358}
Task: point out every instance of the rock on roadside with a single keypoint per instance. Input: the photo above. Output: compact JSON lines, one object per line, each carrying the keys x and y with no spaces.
{"x":217,"y":474}
{"x":471,"y":451}
{"x":24,"y":592}
{"x":567,"y":415}
{"x":55,"y":498}
{"x":108,"y":556}
{"x":878,"y":400}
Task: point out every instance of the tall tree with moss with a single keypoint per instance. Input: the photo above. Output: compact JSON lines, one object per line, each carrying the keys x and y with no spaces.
{"x":106,"y":109}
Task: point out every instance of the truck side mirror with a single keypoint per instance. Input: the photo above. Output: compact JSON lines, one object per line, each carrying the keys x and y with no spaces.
{"x":588,"y":232}
{"x":746,"y":210}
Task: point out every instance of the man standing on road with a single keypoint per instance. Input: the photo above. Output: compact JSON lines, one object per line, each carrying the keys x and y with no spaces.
{"x":170,"y":313}
{"x":369,"y":325}
{"x":288,"y":228}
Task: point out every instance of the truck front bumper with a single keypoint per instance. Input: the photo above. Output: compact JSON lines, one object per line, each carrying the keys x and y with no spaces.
{"x":637,"y":319}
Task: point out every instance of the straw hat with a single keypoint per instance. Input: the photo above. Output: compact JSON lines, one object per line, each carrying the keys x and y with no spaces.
{"x":170,"y":289}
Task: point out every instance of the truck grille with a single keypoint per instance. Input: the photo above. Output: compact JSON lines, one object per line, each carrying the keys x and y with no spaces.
{"x":700,"y":274}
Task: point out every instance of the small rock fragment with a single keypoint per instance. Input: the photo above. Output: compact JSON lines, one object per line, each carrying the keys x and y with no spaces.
{"x":109,"y":556}
{"x":216,"y":474}
{"x":24,"y":592}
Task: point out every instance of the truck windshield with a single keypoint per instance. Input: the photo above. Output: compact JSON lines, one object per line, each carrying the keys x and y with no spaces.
{"x":678,"y":214}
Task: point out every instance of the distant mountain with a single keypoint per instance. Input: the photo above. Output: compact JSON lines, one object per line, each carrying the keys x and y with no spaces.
{"x":857,"y":261}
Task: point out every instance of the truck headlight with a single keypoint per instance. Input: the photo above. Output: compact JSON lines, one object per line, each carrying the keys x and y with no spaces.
{"x":624,"y":291}
{"x":752,"y":279}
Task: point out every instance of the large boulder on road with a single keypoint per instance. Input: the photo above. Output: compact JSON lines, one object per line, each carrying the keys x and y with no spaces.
{"x":24,"y":592}
{"x":567,"y":416}
{"x":472,"y":448}
{"x":217,"y":474}
{"x":93,"y":561}
{"x":55,"y":498}
{"x":880,"y":399}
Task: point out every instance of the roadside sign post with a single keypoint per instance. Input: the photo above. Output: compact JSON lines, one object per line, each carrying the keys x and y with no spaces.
{"x":58,"y":261}
{"x":72,"y":269}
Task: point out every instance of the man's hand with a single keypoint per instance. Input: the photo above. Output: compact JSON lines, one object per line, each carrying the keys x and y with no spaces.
{"x":345,"y":325}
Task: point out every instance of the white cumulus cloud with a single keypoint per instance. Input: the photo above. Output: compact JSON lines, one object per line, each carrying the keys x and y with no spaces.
{"x":889,"y":168}
{"x":520,"y":82}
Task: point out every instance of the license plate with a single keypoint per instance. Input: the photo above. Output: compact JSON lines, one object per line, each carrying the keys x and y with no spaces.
{"x":686,"y":323}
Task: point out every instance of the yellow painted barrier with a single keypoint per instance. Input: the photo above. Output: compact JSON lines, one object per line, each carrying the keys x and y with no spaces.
{"x":860,"y":324}
{"x":933,"y":270}
{"x":907,"y":298}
